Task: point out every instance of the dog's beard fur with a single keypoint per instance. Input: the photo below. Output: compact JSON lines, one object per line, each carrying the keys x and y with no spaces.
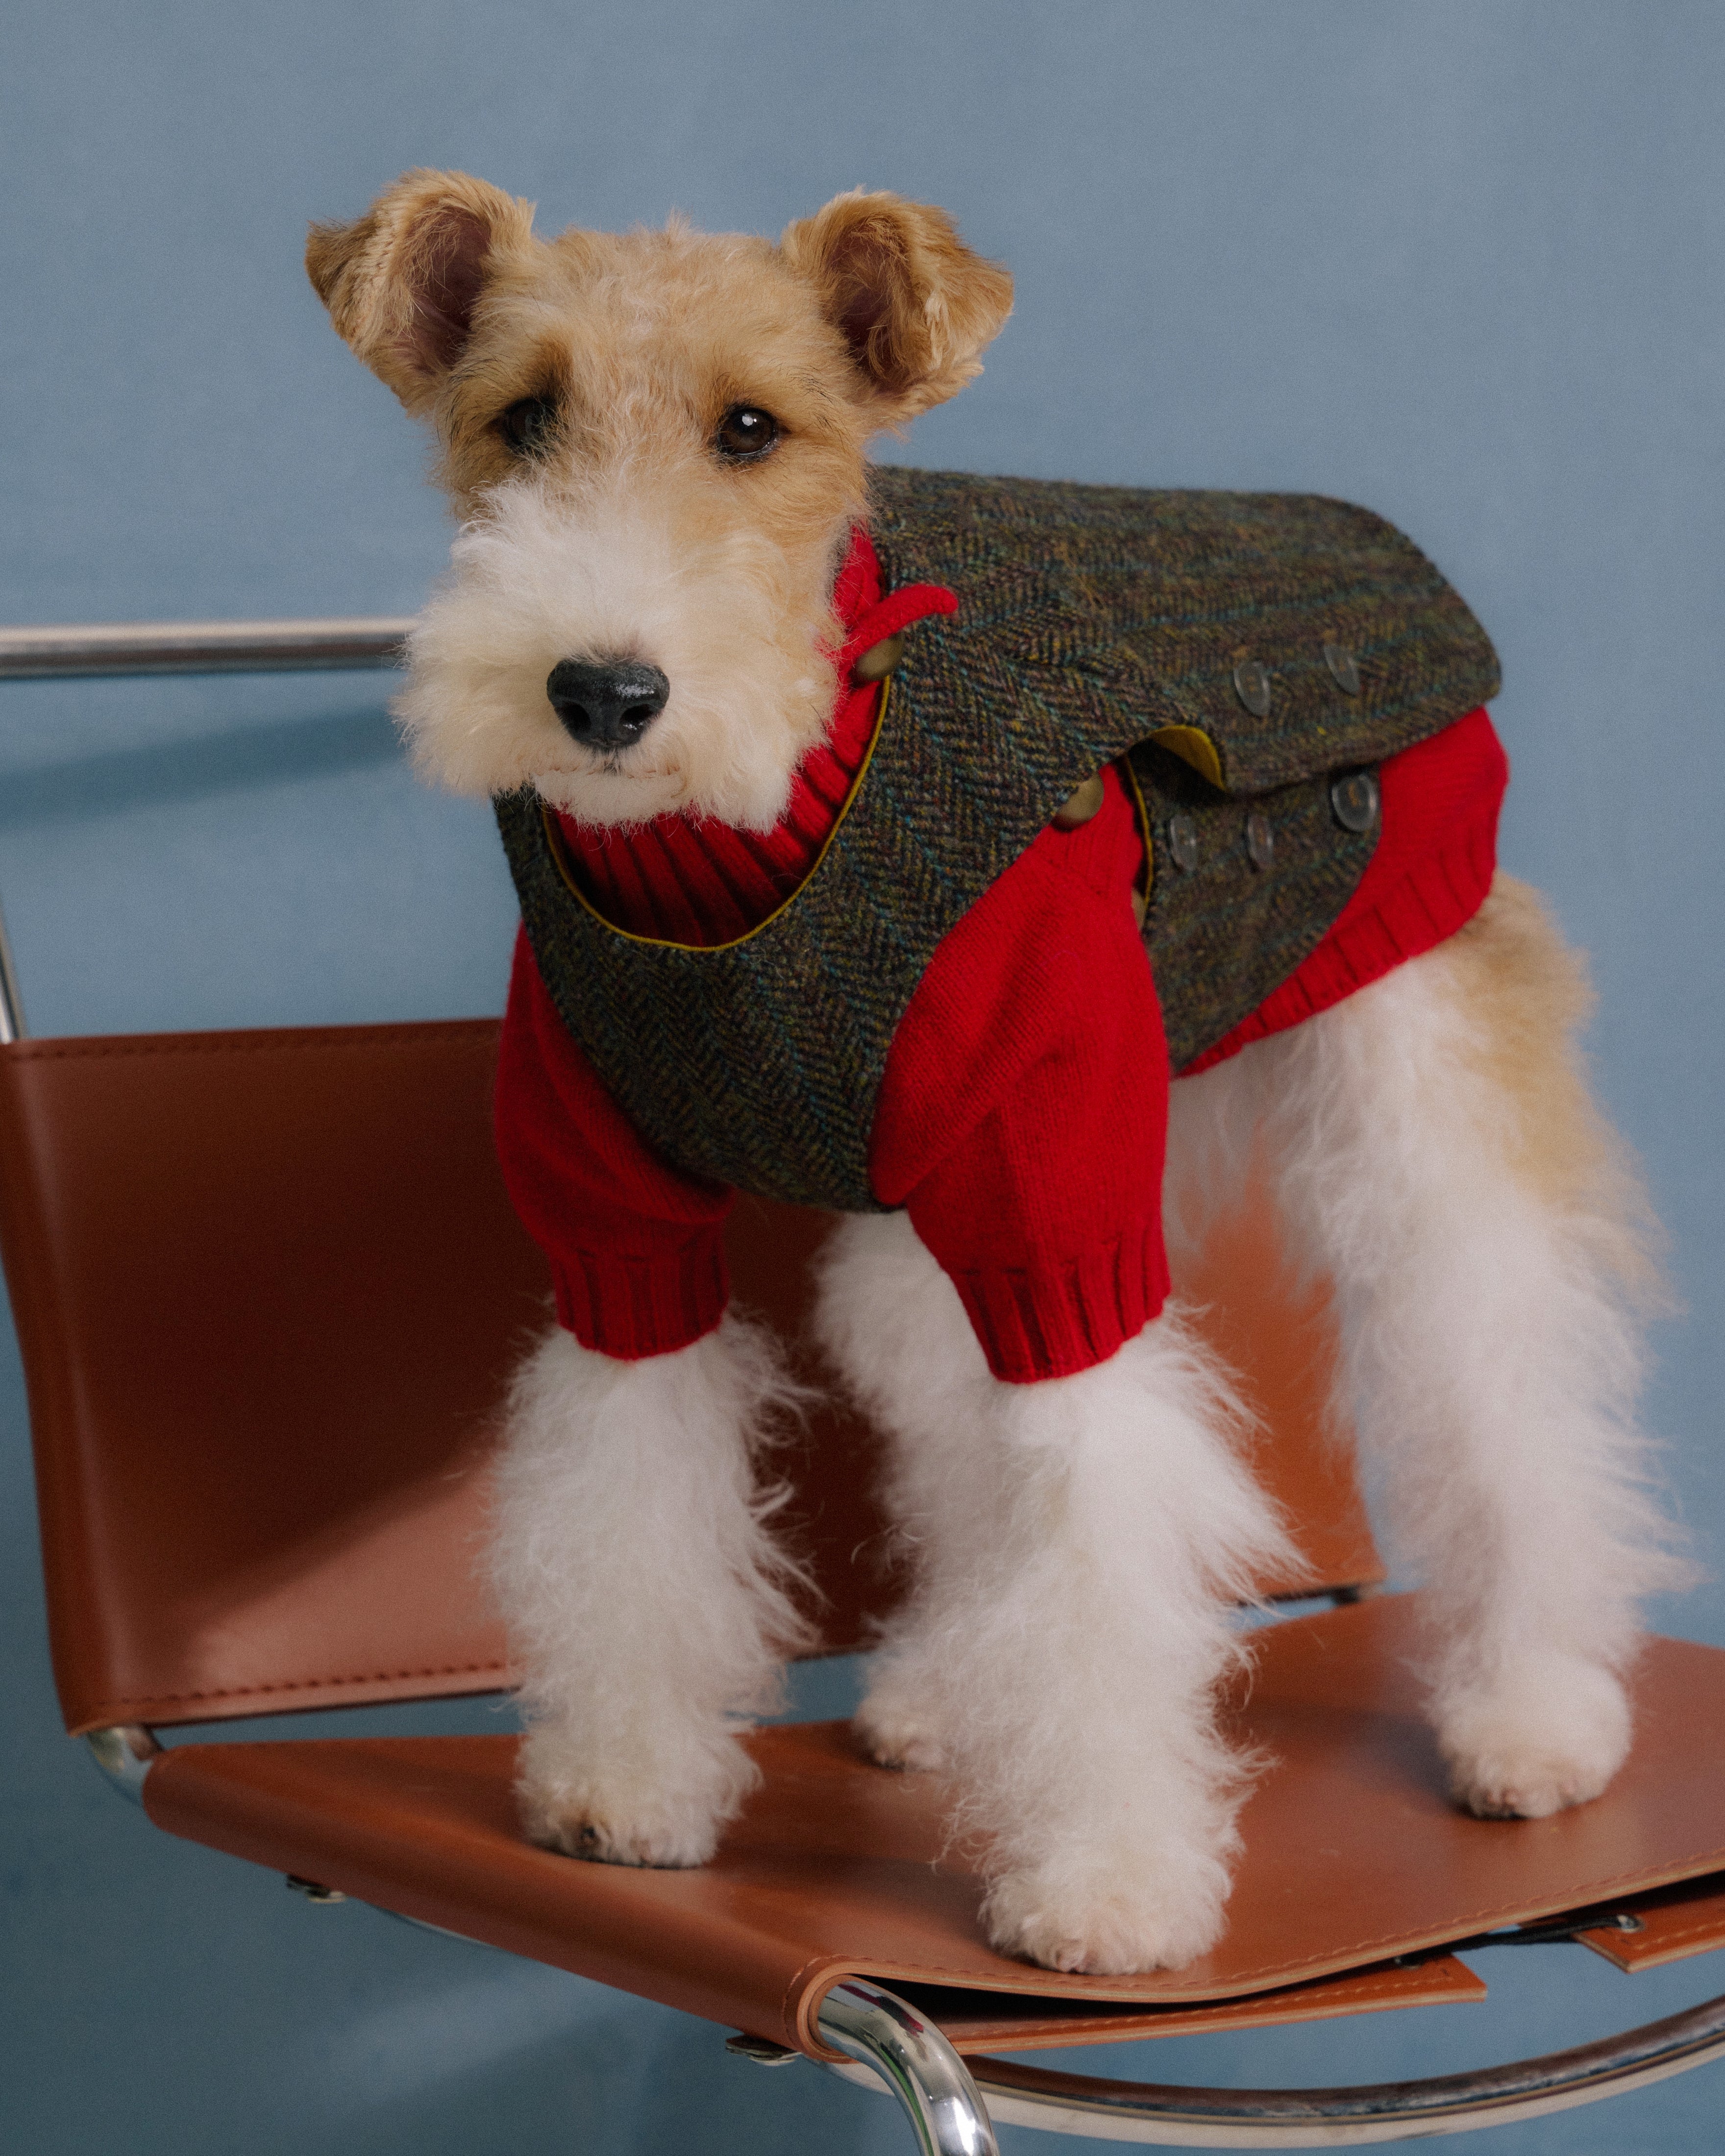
{"x":607,"y":570}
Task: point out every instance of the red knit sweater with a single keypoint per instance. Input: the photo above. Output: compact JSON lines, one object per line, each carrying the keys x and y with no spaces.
{"x":1022,"y":1119}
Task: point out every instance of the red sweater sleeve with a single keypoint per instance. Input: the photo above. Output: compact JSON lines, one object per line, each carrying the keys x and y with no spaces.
{"x":636,"y":1247}
{"x":1023,"y":1115}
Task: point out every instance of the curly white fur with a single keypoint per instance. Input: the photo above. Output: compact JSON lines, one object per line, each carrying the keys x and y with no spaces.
{"x":1490,"y":1362}
{"x":1078,"y":1547}
{"x":648,"y":1607}
{"x":612,"y":568}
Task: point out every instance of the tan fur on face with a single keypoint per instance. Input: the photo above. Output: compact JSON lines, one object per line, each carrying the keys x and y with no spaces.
{"x":1526,"y":996}
{"x":624,"y":534}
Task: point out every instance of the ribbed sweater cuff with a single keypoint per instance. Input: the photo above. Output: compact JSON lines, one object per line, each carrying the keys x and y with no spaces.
{"x":632,"y":1307}
{"x":1053,"y":1321}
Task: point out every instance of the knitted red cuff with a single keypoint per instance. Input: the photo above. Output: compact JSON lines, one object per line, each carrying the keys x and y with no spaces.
{"x":1039,"y":1322}
{"x":631,"y":1308}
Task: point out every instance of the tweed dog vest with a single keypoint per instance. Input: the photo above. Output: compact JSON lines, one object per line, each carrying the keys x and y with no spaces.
{"x":1252,"y":657}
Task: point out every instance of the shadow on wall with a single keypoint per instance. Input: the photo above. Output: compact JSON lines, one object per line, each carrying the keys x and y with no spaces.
{"x":110,"y":781}
{"x":425,"y":2071}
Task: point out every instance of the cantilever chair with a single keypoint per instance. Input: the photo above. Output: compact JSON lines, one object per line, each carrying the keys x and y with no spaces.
{"x":269,"y":1288}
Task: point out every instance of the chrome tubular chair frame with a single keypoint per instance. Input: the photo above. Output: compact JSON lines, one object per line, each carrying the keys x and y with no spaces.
{"x":12,"y":1001}
{"x":52,"y":651}
{"x":199,"y":647}
{"x":1162,"y":2116}
{"x":1348,"y":2117}
{"x":893,"y":2044}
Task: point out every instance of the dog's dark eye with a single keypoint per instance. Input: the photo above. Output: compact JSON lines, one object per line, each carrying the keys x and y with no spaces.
{"x":527,"y":424}
{"x":745,"y":433}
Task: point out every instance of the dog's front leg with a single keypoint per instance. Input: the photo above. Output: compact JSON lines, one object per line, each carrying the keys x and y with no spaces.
{"x":1078,"y":1543}
{"x":646,"y":1603}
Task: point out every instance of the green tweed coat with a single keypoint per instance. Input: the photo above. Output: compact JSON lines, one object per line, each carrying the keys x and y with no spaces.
{"x":1252,"y":657}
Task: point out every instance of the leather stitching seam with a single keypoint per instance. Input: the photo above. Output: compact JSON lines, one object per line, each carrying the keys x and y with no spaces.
{"x":1599,"y":1890}
{"x":793,"y":1992}
{"x":1380,"y":1988}
{"x":1475,"y":1918}
{"x":266,"y":1042}
{"x":1712,"y":1927}
{"x":310,"y":1684}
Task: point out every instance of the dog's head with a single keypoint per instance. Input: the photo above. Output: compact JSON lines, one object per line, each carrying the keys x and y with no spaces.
{"x":654,"y":441}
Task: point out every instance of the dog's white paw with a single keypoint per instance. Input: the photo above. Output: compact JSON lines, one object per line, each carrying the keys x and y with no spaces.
{"x":652,"y":1815}
{"x":1551,"y":1735}
{"x":1140,"y":1910}
{"x":898,"y":1729}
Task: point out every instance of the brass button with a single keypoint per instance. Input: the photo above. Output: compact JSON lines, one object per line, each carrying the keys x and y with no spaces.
{"x":1183,"y":842}
{"x":1080,"y":806}
{"x":1260,"y":841}
{"x":1343,"y":672}
{"x":1251,"y":685}
{"x":1353,"y":801}
{"x":879,"y":659}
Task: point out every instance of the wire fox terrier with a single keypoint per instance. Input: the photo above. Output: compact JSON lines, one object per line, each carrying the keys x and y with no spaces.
{"x":655,"y":443}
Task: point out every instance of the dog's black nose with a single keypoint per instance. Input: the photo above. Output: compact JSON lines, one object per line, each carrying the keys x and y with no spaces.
{"x":607,"y":703}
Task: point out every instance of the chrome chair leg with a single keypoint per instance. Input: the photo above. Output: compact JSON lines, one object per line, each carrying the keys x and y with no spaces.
{"x":11,"y":997}
{"x":1348,"y":2117}
{"x":910,"y":2054}
{"x":125,"y":1754}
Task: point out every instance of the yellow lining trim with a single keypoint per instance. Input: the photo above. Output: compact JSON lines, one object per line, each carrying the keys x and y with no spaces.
{"x":1143,"y":810}
{"x":1193,"y":745}
{"x":555,"y":839}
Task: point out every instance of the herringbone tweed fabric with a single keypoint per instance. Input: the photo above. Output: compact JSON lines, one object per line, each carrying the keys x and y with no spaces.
{"x":1091,"y":620}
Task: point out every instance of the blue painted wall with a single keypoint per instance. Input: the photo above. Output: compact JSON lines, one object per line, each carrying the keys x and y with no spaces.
{"x":1459,"y":259}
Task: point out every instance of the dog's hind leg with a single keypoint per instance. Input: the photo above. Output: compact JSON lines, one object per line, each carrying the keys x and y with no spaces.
{"x":1438,"y":1154}
{"x":647,"y":1606}
{"x":1077,"y":1544}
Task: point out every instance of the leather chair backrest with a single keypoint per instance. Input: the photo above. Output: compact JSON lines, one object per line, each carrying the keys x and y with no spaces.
{"x":268,"y":1290}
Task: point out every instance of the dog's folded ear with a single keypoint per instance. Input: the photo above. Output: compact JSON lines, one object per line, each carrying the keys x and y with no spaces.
{"x":402,"y":282}
{"x":916,"y":305}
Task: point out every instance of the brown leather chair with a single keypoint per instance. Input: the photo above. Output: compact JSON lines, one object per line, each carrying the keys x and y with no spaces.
{"x":269,"y":1288}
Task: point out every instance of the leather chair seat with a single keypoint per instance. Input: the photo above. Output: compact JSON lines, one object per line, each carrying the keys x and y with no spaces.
{"x":1354,"y":1858}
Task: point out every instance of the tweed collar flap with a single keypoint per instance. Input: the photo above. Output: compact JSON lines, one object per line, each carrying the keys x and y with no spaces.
{"x":1113,"y":614}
